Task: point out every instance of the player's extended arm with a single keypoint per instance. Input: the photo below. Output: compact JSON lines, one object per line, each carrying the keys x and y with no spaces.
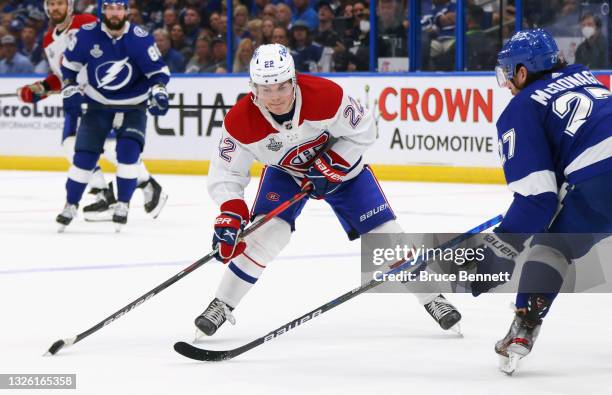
{"x":39,"y":90}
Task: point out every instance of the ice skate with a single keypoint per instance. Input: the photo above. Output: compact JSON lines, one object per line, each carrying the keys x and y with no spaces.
{"x":120,"y":215}
{"x":521,"y":336}
{"x":102,"y":209}
{"x":445,"y":314}
{"x":213,"y":317}
{"x":66,"y":216}
{"x":154,"y":197}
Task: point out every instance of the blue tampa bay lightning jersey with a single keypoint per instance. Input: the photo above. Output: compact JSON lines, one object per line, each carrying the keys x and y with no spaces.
{"x":558,"y":129}
{"x":119,"y":70}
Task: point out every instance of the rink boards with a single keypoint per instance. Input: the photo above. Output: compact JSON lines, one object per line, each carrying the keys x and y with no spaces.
{"x":432,"y":127}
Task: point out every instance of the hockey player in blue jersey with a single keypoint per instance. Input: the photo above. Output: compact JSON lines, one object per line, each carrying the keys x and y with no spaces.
{"x":555,"y":140}
{"x":124,"y":67}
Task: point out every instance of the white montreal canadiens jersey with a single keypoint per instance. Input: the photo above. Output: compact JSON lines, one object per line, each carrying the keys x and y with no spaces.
{"x":324,"y":117}
{"x":55,"y":42}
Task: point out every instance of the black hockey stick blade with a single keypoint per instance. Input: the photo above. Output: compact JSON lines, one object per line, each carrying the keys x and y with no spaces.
{"x":55,"y":347}
{"x":199,"y":354}
{"x":191,"y":352}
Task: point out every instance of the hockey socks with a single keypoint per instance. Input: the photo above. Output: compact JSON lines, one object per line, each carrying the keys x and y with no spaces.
{"x":79,"y":175}
{"x":128,"y":153}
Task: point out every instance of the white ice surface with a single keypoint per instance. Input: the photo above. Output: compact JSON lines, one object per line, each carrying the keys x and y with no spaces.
{"x":54,"y":286}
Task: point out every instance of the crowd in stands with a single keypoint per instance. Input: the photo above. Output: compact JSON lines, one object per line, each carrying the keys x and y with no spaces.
{"x":323,"y":35}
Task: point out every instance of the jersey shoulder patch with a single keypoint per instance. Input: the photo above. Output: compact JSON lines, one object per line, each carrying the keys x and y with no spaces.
{"x":321,"y":98}
{"x":139,"y":31}
{"x":245,"y":123}
{"x":85,"y":21}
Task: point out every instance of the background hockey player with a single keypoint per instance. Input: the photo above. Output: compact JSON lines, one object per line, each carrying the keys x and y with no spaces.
{"x":305,"y":129}
{"x":64,"y":25}
{"x":123,"y":67}
{"x":556,"y":148}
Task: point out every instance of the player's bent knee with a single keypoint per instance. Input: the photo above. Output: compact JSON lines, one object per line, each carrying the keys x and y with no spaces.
{"x":265,"y":244}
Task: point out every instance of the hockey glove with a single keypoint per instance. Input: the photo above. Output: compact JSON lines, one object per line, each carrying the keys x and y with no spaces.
{"x":73,"y":99}
{"x":326,"y":174}
{"x":228,"y":226}
{"x":158,"y":100}
{"x":495,"y":254}
{"x":33,"y":93}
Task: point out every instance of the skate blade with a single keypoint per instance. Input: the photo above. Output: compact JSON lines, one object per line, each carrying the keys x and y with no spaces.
{"x":163,"y":198}
{"x":105,"y":216}
{"x":199,"y":335}
{"x":118,"y":227}
{"x":61,"y":228}
{"x":509,"y":364}
{"x":456,"y":329}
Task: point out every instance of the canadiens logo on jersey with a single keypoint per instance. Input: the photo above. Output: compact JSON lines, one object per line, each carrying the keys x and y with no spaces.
{"x":300,"y":157}
{"x":113,"y":75}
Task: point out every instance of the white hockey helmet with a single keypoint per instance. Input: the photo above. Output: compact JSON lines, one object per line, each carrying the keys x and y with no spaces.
{"x":70,"y":7}
{"x":271,"y":64}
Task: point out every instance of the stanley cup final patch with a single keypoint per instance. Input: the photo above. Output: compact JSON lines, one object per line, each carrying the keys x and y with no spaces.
{"x":274,"y":145}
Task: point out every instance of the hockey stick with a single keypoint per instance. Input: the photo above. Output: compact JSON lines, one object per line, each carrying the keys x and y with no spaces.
{"x":192,"y":352}
{"x":128,"y":107}
{"x":8,"y":95}
{"x":58,"y":345}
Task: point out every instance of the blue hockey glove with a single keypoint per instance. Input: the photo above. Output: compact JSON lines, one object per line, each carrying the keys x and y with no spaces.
{"x":497,"y":255}
{"x":158,"y":100}
{"x":326,"y":174}
{"x":73,"y":99}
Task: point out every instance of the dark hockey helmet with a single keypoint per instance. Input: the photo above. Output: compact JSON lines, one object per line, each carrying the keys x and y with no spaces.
{"x":535,"y":49}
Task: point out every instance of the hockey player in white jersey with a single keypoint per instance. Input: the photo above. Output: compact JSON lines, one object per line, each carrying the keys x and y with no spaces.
{"x":64,"y":25}
{"x":305,"y":129}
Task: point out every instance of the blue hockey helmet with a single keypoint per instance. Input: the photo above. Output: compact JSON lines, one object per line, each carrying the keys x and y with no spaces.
{"x":535,"y":49}
{"x":104,"y":3}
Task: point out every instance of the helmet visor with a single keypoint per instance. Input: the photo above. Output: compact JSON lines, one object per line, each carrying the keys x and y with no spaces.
{"x":274,"y":90}
{"x":503,"y":75}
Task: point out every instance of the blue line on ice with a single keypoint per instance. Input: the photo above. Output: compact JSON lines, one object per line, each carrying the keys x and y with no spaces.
{"x":155,"y":264}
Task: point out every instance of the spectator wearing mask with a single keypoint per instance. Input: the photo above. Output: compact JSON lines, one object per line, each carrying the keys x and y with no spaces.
{"x":592,"y":51}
